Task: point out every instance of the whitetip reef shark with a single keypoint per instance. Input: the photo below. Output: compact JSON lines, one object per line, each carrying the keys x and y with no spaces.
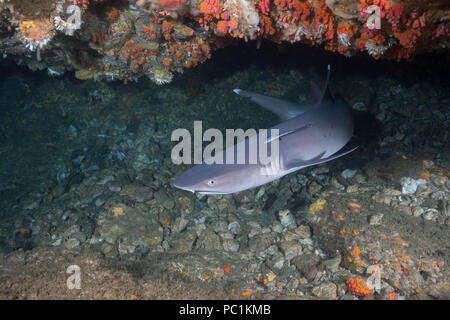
{"x":308,"y":135}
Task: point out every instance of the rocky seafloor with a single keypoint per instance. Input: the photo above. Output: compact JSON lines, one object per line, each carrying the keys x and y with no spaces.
{"x":86,"y":179}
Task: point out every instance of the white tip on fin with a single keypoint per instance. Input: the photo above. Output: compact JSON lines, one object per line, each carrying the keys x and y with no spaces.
{"x":244,"y":93}
{"x":324,"y":90}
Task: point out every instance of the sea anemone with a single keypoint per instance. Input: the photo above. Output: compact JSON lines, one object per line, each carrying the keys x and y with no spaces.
{"x":161,"y":75}
{"x":36,"y":33}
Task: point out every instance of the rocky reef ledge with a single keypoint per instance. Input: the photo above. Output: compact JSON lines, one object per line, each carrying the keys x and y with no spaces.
{"x":126,"y":39}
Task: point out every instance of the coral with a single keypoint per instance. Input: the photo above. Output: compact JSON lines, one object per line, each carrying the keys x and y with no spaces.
{"x":161,"y":75}
{"x":345,"y":33}
{"x":358,"y":287}
{"x":113,"y":14}
{"x":408,"y":39}
{"x":245,"y":17}
{"x":211,"y":8}
{"x":168,"y":8}
{"x":172,"y":4}
{"x":36,"y":33}
{"x":128,"y":39}
{"x":84,"y":3}
{"x":345,"y":9}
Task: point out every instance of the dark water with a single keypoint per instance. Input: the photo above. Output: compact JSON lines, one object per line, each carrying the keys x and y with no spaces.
{"x":35,"y":108}
{"x":58,"y":133}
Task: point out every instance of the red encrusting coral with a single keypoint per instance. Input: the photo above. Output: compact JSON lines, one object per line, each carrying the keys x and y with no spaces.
{"x":113,"y":14}
{"x":211,"y":9}
{"x":149,"y":32}
{"x":263,"y":6}
{"x":84,"y":3}
{"x":171,"y":4}
{"x":408,"y":39}
{"x":136,"y":56}
{"x":323,"y":16}
{"x":166,"y":29}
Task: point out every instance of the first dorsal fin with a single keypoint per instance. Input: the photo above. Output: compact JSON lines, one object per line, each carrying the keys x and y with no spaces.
{"x":282,"y":108}
{"x":325,"y":94}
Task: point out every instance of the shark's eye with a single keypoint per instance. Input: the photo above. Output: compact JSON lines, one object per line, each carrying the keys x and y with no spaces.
{"x":211,"y":183}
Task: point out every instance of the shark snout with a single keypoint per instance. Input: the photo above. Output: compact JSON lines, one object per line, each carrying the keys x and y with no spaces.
{"x":180,"y":185}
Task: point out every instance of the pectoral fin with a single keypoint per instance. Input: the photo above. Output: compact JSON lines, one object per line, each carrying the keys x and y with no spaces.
{"x":315,"y":160}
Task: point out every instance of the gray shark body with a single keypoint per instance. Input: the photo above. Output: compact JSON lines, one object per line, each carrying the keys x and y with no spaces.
{"x":310,"y":136}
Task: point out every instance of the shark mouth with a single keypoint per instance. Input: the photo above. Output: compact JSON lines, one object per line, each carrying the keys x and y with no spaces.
{"x":211,"y":192}
{"x":200,"y":191}
{"x":183,"y":188}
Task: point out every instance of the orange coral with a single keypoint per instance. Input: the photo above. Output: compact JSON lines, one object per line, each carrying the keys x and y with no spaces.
{"x":266,"y":26}
{"x":353,"y":257}
{"x":405,"y":31}
{"x":246,"y":293}
{"x":442,"y":30}
{"x":166,"y":61}
{"x":113,"y":14}
{"x":136,"y":56}
{"x":167,"y":28}
{"x":36,"y":30}
{"x":302,"y":10}
{"x":358,"y":287}
{"x":345,"y":28}
{"x":263,"y":6}
{"x":211,"y":8}
{"x":178,"y":56}
{"x":148,"y":31}
{"x":233,"y":24}
{"x":171,"y":4}
{"x":408,"y":39}
{"x":394,"y":14}
{"x":125,"y":54}
{"x":376,"y":36}
{"x":206,"y":49}
{"x":323,"y":16}
{"x":355,"y":252}
{"x":222,"y":27}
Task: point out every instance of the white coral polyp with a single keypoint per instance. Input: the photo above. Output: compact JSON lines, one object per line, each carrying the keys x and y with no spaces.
{"x":161,"y":76}
{"x":377,"y":50}
{"x":344,"y":39}
{"x":245,"y":13}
